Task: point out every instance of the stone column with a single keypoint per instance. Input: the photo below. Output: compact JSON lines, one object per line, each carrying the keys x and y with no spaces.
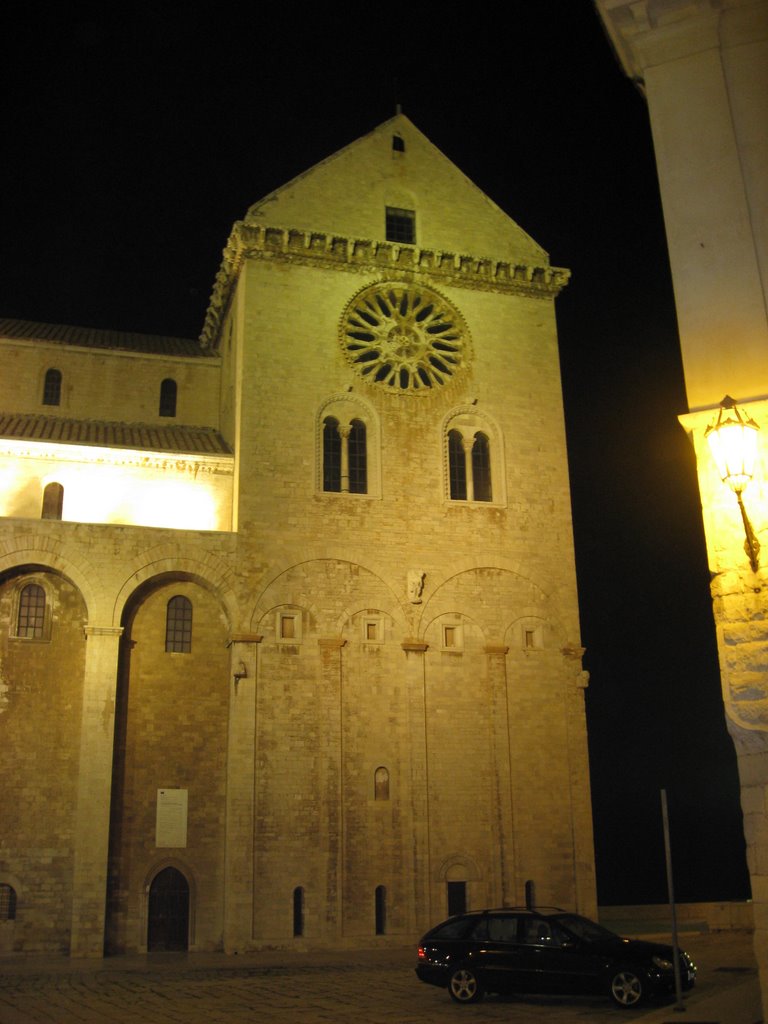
{"x":238,"y":851}
{"x":344,"y":430}
{"x":468,"y":444}
{"x":91,"y":835}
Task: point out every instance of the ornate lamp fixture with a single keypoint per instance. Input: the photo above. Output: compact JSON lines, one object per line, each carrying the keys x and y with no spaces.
{"x":733,"y":442}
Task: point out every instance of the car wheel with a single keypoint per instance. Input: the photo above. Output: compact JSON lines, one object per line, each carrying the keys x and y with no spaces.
{"x":464,"y":985}
{"x":627,"y":988}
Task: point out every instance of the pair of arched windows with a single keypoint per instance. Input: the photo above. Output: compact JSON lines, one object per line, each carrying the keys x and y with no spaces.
{"x":469,"y":466}
{"x":345,"y":456}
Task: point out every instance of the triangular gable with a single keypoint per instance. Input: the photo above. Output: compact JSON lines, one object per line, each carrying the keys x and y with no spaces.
{"x":397,"y":166}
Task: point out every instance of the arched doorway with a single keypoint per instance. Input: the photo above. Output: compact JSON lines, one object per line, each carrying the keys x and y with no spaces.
{"x":168,"y":912}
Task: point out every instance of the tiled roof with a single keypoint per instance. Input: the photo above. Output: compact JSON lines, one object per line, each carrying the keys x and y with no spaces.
{"x":142,"y":436}
{"x":90,"y":337}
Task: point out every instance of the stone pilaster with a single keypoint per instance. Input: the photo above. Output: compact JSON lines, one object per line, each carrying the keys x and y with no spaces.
{"x":421,"y":875}
{"x":91,"y":838}
{"x":241,"y":749}
{"x":504,"y":842}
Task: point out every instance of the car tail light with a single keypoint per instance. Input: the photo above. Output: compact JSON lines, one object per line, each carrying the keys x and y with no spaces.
{"x":422,"y":953}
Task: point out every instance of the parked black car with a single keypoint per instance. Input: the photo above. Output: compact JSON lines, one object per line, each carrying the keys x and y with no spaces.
{"x":544,"y":951}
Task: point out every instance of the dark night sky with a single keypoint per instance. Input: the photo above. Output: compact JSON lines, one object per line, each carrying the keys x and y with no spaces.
{"x":133,"y":138}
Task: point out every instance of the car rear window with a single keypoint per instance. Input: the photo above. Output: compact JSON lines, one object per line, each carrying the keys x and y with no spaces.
{"x":456,"y":928}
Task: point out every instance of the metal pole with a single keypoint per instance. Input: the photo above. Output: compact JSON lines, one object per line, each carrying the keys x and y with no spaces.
{"x":671,"y":891}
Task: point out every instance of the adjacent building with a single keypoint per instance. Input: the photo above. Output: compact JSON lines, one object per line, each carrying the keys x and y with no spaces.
{"x":703,"y":66}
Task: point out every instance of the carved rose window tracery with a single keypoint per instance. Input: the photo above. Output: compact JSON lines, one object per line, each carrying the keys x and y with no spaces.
{"x":404,"y":337}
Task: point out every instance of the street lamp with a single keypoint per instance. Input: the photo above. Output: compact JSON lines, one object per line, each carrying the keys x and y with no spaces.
{"x":733,"y":442}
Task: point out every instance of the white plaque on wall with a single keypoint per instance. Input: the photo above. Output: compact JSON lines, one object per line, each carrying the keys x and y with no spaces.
{"x":171,"y":821}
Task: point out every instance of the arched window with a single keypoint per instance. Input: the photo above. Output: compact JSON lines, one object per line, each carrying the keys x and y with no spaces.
{"x":481,"y":468}
{"x":298,"y":911}
{"x":178,"y":625}
{"x":331,"y":454}
{"x":380,"y":909}
{"x":7,"y":902}
{"x":52,"y":387}
{"x":381,"y":783}
{"x":168,"y":397}
{"x":457,"y":466}
{"x":53,"y":501}
{"x":358,"y":459}
{"x":30,"y":623}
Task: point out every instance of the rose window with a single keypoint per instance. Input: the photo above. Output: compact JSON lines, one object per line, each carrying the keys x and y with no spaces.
{"x":404,"y":337}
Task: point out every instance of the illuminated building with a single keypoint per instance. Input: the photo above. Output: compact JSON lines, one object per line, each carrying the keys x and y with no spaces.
{"x":703,"y":66}
{"x":290,"y":643}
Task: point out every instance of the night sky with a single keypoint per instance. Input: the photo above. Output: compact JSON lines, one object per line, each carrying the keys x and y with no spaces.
{"x":135,"y":136}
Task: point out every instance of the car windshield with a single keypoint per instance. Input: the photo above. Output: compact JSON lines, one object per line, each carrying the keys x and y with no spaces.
{"x":583,"y":928}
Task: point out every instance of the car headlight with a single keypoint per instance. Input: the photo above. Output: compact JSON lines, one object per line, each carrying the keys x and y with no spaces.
{"x":662,"y":963}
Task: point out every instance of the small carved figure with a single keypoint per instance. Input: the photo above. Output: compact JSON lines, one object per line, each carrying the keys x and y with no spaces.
{"x":415,"y":585}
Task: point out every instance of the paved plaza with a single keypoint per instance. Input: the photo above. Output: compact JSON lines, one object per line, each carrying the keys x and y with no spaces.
{"x":364,"y":987}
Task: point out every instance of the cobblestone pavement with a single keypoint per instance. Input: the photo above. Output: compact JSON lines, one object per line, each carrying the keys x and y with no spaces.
{"x":364,"y":988}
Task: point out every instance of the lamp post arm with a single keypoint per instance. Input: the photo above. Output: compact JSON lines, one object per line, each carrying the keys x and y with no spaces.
{"x":751,"y":544}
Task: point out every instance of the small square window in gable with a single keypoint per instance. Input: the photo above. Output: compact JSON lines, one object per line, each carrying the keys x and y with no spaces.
{"x":400,"y":225}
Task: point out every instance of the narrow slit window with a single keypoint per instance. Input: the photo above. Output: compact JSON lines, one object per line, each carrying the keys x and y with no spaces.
{"x":358,"y":461}
{"x":298,"y":911}
{"x":381,"y":783}
{"x":331,"y":455}
{"x":401,"y":225}
{"x":398,"y":144}
{"x":53,"y":501}
{"x":457,"y":466}
{"x":481,"y":468}
{"x":168,"y":392}
{"x":380,"y":907}
{"x":178,"y":626}
{"x":30,"y":624}
{"x":7,"y":902}
{"x":52,"y":387}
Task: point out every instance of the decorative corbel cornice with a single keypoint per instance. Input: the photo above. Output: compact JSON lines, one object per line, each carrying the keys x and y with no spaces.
{"x":315,"y":248}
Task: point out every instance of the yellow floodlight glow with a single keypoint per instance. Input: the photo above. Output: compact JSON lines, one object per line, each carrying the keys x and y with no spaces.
{"x":733,"y":443}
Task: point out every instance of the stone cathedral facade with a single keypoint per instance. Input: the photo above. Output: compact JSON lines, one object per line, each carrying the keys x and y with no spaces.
{"x":289,"y":633}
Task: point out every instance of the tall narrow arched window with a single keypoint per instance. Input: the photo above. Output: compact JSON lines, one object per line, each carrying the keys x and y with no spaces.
{"x":457,"y":466}
{"x":30,"y":623}
{"x":358,"y":459}
{"x":481,"y":468}
{"x":380,"y":909}
{"x":331,"y":454}
{"x":178,"y":625}
{"x":168,"y":397}
{"x":52,"y":387}
{"x":381,"y":783}
{"x":7,"y":902}
{"x":53,"y":501}
{"x":298,"y":911}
